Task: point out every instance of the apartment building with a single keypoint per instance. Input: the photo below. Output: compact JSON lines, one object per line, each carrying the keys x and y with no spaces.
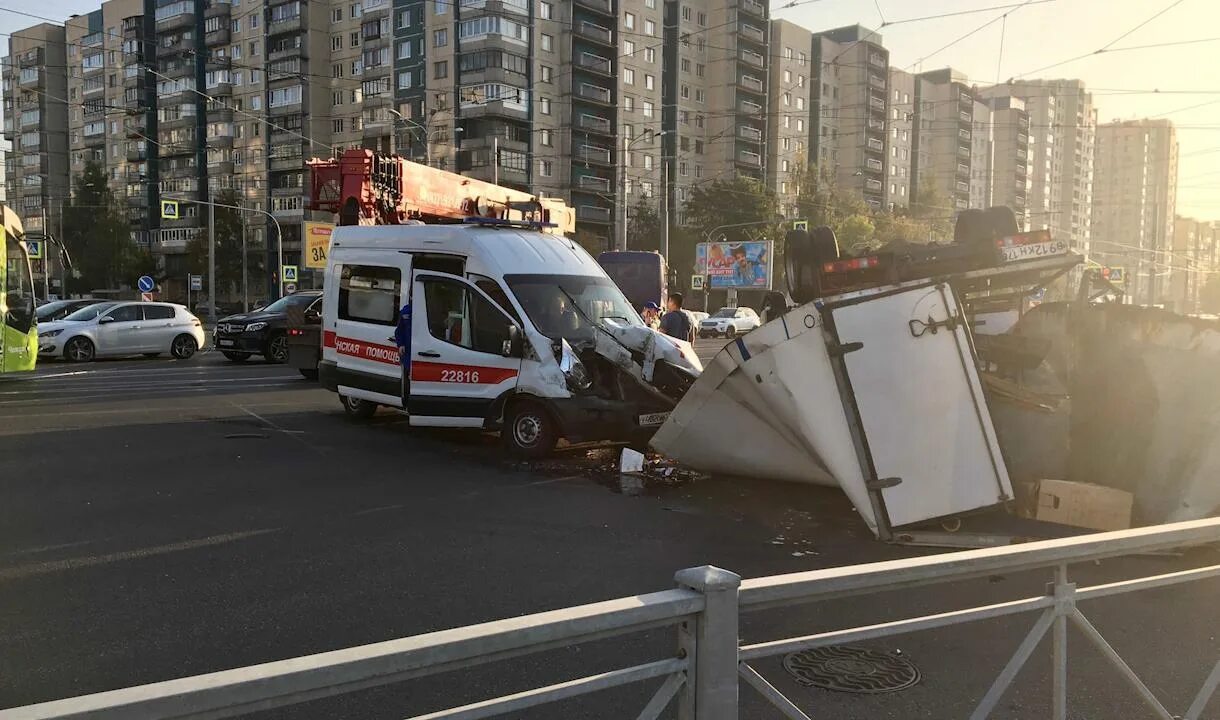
{"x":792,"y":99}
{"x":1062,"y":137}
{"x":901,"y":133}
{"x":1009,"y":176}
{"x":982,"y":144}
{"x":942,"y":150}
{"x":1134,"y":204}
{"x":36,"y":123}
{"x":1193,"y":262}
{"x":852,"y":108}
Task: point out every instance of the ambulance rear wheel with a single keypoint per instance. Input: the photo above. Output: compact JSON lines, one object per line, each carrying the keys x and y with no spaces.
{"x":357,"y":408}
{"x":529,"y":430}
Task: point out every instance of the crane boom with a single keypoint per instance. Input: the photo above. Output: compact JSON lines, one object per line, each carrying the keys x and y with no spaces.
{"x":364,"y":188}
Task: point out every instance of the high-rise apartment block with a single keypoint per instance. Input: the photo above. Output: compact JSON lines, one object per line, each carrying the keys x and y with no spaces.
{"x":902,"y":132}
{"x":1135,"y":202}
{"x":1193,"y":262}
{"x":942,"y":151}
{"x":1009,"y":174}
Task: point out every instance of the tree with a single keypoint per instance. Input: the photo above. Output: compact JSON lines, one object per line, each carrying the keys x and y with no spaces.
{"x":895,"y":227}
{"x":931,"y":208}
{"x":98,"y":236}
{"x":855,"y":233}
{"x":725,"y":203}
{"x":643,"y":226}
{"x":229,"y":231}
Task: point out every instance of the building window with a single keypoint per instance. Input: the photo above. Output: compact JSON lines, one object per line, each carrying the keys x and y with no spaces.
{"x":650,"y":54}
{"x":545,"y":138}
{"x":544,"y":106}
{"x":337,"y":125}
{"x":440,"y":38}
{"x":336,"y":42}
{"x":702,"y":19}
{"x":787,"y":99}
{"x":546,"y":11}
{"x":650,"y":82}
{"x":545,"y":73}
{"x":440,"y":69}
{"x":683,"y":169}
{"x":404,"y":80}
{"x":628,"y":76}
{"x":545,"y":168}
{"x":253,"y":20}
{"x":783,"y":165}
{"x":648,"y":108}
{"x":440,"y":7}
{"x":698,"y":171}
{"x":699,"y":96}
{"x":685,"y":92}
{"x":404,"y":19}
{"x":628,"y":103}
{"x":356,"y":10}
{"x":699,"y":69}
{"x":685,"y":65}
{"x":403,"y":50}
{"x":650,"y":28}
{"x":336,"y":15}
{"x":354,"y":40}
{"x":800,"y":103}
{"x":548,"y":42}
{"x":629,"y":21}
{"x":647,"y":162}
{"x":336,"y":98}
{"x":787,"y":76}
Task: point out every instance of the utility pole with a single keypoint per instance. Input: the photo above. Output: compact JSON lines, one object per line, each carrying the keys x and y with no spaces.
{"x":211,"y":259}
{"x":46,"y":260}
{"x":245,"y":275}
{"x":664,"y":209}
{"x":495,"y":160}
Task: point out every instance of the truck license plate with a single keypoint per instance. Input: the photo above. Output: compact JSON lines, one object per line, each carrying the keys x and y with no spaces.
{"x":653,"y":419}
{"x":1015,"y":253}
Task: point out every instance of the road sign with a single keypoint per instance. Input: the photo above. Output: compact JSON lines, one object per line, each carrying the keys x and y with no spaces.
{"x":1117,"y":275}
{"x":169,"y":210}
{"x":696,"y":282}
{"x":290,"y":273}
{"x":146,"y":284}
{"x":196,"y":282}
{"x":146,"y":297}
{"x":290,"y":288}
{"x":800,"y":225}
{"x":34,"y":248}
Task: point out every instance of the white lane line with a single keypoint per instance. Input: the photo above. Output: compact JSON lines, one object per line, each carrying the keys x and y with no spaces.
{"x":49,"y":548}
{"x":384,"y":508}
{"x":137,"y":384}
{"x":34,"y":402}
{"x":24,"y":571}
{"x":146,"y":410}
{"x":294,"y":434}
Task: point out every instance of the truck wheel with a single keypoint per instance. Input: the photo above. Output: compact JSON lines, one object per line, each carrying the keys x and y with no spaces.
{"x":1002,"y":221}
{"x":357,"y":408}
{"x":972,"y":227}
{"x":529,"y":430}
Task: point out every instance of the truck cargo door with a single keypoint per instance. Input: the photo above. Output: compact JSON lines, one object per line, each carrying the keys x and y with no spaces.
{"x":461,"y":361}
{"x":920,"y":404}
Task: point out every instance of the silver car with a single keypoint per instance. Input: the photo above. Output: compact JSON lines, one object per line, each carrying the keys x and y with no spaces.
{"x":110,"y":329}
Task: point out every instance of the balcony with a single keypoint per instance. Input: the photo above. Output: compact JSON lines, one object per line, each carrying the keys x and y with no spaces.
{"x":137,"y":154}
{"x":875,"y":125}
{"x":219,"y":113}
{"x":747,"y":157}
{"x":592,"y":213}
{"x":752,"y":134}
{"x":964,"y":134}
{"x":1023,"y":139}
{"x":284,"y":25}
{"x":875,"y":145}
{"x":217,"y":9}
{"x":963,"y":187}
{"x":877,"y":82}
{"x":28,"y":119}
{"x":281,"y":52}
{"x":594,"y":92}
{"x":1022,"y":154}
{"x":96,"y":139}
{"x":134,"y":127}
{"x":753,"y":7}
{"x":965,"y":99}
{"x":30,"y":77}
{"x":965,"y":116}
{"x":876,"y":102}
{"x":750,"y":108}
{"x":874,"y":165}
{"x":963,"y":151}
{"x":217,"y":37}
{"x":179,"y":15}
{"x":873,"y":185}
{"x":596,"y":63}
{"x":751,"y":83}
{"x":593,"y":182}
{"x":595,"y":32}
{"x":600,"y":6}
{"x":752,"y":58}
{"x":876,"y":59}
{"x":593,"y":154}
{"x":963,"y":170}
{"x":175,"y":46}
{"x":278,"y":164}
{"x":593,"y":123}
{"x":750,"y":32}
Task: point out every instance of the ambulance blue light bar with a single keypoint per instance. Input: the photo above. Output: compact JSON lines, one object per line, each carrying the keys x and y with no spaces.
{"x":497,"y":222}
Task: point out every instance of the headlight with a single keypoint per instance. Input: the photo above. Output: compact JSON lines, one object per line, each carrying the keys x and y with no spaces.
{"x":573,"y":369}
{"x":49,"y":333}
{"x":255,"y":327}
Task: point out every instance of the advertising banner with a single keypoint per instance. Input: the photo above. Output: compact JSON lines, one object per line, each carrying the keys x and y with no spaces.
{"x":740,"y":265}
{"x":317,"y":244}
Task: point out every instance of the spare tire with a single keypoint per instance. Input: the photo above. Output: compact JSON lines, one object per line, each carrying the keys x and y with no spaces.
{"x":1002,"y":221}
{"x":825,"y":245}
{"x":803,"y":258}
{"x":972,"y":226}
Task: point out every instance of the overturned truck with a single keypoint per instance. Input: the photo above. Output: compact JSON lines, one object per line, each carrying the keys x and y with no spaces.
{"x":871,"y":383}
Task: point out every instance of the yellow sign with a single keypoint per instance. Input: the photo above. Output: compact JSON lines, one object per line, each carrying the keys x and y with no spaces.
{"x":800,"y":225}
{"x":317,"y":243}
{"x":290,"y":273}
{"x":169,"y":210}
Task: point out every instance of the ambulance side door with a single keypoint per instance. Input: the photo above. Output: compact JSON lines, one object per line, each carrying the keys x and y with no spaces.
{"x":358,"y":334}
{"x":461,"y":360}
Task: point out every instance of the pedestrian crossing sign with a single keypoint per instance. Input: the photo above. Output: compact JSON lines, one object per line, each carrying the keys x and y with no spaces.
{"x":290,"y":273}
{"x":34,"y":248}
{"x":169,"y":210}
{"x":800,"y":225}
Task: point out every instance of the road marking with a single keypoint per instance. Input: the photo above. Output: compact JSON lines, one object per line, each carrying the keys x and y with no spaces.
{"x":36,"y":401}
{"x":24,"y":571}
{"x":146,"y":411}
{"x":139,"y":384}
{"x":49,"y":548}
{"x":384,"y":508}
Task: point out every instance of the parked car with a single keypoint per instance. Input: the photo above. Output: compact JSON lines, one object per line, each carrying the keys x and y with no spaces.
{"x":262,"y":332}
{"x":60,"y":309}
{"x":729,"y":322}
{"x":109,"y":329}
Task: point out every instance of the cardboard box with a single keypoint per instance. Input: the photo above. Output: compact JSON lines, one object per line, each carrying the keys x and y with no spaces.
{"x":1080,"y":504}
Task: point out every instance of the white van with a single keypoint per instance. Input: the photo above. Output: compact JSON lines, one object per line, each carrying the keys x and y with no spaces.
{"x":511,"y":329}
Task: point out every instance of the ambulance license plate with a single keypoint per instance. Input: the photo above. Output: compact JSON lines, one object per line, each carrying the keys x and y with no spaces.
{"x":653,"y":419}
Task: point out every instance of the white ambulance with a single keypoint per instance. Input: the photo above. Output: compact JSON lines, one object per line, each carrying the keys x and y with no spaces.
{"x":511,"y":329}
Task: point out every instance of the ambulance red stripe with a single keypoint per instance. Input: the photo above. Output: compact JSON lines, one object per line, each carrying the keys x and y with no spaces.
{"x":420,"y":371}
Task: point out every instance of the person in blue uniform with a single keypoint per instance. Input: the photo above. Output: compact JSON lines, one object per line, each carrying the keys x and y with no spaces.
{"x":402,"y":338}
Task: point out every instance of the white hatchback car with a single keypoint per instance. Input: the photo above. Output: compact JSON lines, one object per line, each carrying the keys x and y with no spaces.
{"x":729,"y":322}
{"x":110,"y":329}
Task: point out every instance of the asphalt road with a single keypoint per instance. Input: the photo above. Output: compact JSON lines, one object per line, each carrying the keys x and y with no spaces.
{"x":161,"y":519}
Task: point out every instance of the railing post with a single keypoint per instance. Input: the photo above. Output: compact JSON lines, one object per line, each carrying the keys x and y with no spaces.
{"x":710,"y":644}
{"x":1065,"y":603}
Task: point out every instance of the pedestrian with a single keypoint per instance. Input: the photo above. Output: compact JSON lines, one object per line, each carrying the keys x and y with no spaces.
{"x":402,"y":338}
{"x":652,"y":315}
{"x":677,"y":322}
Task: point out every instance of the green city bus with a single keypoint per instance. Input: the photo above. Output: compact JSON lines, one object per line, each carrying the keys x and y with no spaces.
{"x":19,"y":332}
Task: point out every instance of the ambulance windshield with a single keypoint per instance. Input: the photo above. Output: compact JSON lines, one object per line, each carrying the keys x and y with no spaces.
{"x":561,"y":306}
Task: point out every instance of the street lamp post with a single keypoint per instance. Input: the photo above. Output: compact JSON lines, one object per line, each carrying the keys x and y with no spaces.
{"x":622,"y":188}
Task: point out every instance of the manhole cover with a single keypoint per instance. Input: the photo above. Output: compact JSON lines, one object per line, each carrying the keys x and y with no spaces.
{"x":851,"y":669}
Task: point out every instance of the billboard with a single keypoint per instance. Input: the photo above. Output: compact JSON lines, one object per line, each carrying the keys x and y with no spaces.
{"x":317,"y":243}
{"x":739,"y":265}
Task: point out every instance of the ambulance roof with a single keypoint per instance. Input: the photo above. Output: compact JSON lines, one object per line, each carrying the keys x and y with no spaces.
{"x":506,"y":250}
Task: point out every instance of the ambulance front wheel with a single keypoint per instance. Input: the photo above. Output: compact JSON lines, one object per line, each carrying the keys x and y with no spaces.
{"x":357,"y":408}
{"x":529,"y":430}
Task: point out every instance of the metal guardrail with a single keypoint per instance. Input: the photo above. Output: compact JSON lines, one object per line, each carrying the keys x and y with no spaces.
{"x":706,"y":607}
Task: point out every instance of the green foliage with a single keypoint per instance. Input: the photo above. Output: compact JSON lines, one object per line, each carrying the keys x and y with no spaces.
{"x":933,"y":211}
{"x":855,"y":233}
{"x":643,"y":226}
{"x":98,"y":235}
{"x":229,"y":229}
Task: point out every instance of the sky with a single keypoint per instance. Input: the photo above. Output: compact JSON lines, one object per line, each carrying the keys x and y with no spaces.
{"x":1034,"y":36}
